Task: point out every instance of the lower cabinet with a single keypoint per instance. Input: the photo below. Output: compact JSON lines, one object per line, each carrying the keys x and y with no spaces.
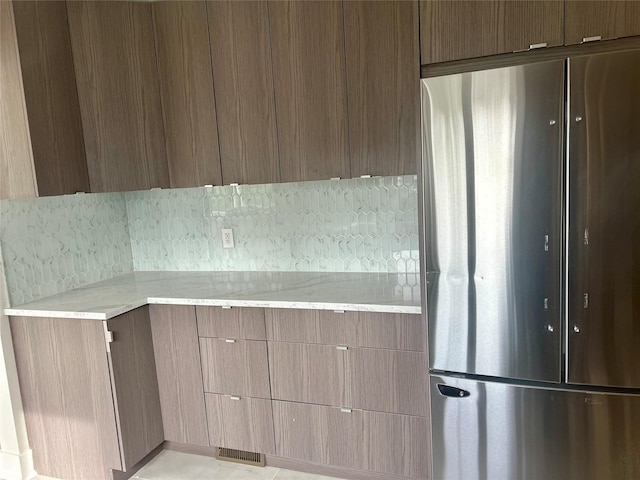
{"x":240,"y":423}
{"x":175,"y":341}
{"x":357,"y":439}
{"x":90,"y":405}
{"x":99,"y":396}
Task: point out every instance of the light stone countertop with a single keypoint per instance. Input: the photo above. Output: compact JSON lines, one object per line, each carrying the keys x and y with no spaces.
{"x":372,"y":292}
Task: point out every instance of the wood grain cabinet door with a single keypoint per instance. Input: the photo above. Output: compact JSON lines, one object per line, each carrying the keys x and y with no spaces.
{"x":307,"y":41}
{"x":118,"y":90}
{"x":135,"y":385}
{"x":235,"y":367}
{"x":66,"y":395}
{"x":242,"y":69}
{"x":242,"y":423}
{"x":468,"y":29}
{"x":310,"y":373}
{"x":186,"y":89}
{"x":383,"y":57}
{"x":177,"y":354}
{"x":604,"y":19}
{"x":389,"y":381}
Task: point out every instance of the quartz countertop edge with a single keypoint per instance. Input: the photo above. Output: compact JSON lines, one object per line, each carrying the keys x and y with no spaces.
{"x":368,"y":292}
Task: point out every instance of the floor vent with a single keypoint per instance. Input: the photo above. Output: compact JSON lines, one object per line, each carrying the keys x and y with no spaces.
{"x":240,"y":456}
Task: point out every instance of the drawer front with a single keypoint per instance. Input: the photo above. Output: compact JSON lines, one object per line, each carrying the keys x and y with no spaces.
{"x":242,"y":423}
{"x":389,"y":380}
{"x":362,"y":440}
{"x":235,"y":367}
{"x":320,"y":434}
{"x":397,"y":444}
{"x":244,"y":323}
{"x":363,"y":329}
{"x":309,"y":373}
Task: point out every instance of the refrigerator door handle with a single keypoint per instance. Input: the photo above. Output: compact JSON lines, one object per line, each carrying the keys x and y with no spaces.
{"x":453,"y":392}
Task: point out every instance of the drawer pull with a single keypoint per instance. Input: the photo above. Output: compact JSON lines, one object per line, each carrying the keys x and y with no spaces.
{"x":345,"y":410}
{"x":235,"y":397}
{"x":342,"y":347}
{"x":595,"y":38}
{"x":338,"y":311}
{"x":229,"y":340}
{"x":226,"y":307}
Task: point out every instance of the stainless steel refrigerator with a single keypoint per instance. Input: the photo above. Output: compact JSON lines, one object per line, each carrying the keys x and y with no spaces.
{"x":531,"y":204}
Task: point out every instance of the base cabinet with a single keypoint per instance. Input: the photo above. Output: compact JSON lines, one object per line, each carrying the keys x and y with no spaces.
{"x":175,"y":342}
{"x":90,"y":406}
{"x":357,"y":439}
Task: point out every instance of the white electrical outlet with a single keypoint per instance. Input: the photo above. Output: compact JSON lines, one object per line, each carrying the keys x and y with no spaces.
{"x":227,"y":238}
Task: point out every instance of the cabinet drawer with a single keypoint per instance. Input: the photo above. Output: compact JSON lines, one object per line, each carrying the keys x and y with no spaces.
{"x":363,"y":440}
{"x":389,"y":380}
{"x":235,"y":367}
{"x":369,"y":378}
{"x":398,"y":331}
{"x":242,"y":423}
{"x":245,"y":323}
{"x":309,"y":373}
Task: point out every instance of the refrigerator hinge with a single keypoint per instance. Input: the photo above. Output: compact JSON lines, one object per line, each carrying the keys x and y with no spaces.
{"x":585,"y":301}
{"x":586,"y":236}
{"x":108,"y":336}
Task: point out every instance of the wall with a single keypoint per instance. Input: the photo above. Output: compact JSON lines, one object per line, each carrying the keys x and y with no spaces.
{"x":357,"y":225}
{"x":53,"y":244}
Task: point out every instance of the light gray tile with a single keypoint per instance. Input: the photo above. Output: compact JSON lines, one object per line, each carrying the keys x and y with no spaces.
{"x":169,"y":465}
{"x":291,"y":475}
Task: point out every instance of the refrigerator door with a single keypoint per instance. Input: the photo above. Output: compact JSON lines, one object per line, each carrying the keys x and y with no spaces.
{"x":604,"y":220}
{"x":492,"y":154}
{"x":497,"y":431}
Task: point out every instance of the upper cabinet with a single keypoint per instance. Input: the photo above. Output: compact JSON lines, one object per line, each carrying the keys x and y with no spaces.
{"x":307,"y":41}
{"x":186,"y":88}
{"x":383,"y":57}
{"x":51,"y":97}
{"x":241,"y":57}
{"x":17,"y":178}
{"x":117,"y":78}
{"x":610,"y":19}
{"x":467,"y":29}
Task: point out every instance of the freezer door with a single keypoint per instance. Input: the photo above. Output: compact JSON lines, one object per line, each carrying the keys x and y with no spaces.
{"x":494,"y":431}
{"x":492,"y":164}
{"x":604,"y":220}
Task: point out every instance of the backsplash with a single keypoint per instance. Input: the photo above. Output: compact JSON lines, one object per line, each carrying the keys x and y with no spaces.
{"x":355,"y":225}
{"x":53,"y":244}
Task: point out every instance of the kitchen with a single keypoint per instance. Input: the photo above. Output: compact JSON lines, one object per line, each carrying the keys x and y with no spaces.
{"x":295,"y":125}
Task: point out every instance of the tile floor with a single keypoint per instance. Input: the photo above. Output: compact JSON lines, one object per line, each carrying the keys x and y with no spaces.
{"x":169,"y":465}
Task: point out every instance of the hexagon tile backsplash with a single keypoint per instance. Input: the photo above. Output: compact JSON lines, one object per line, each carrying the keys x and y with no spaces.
{"x":53,"y":244}
{"x":355,"y":225}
